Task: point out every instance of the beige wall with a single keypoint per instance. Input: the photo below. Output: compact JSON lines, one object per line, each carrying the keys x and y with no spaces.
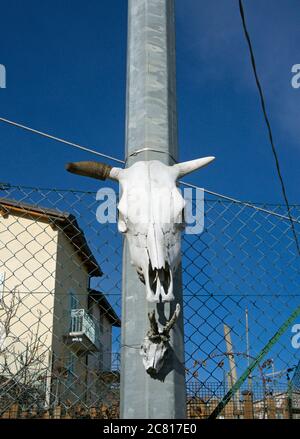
{"x":41,"y":268}
{"x":28,"y":259}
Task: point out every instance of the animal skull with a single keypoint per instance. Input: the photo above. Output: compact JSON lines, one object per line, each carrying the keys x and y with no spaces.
{"x":156,"y":344}
{"x":150,"y":215}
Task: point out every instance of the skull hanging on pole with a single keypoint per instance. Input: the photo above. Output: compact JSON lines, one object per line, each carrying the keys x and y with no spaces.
{"x":155,"y":348}
{"x":150,"y":216}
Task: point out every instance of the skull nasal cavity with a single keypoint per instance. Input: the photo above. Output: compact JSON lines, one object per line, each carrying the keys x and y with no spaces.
{"x":155,"y":246}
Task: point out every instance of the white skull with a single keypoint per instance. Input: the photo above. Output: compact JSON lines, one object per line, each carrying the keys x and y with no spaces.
{"x":154,"y":355}
{"x":150,"y":216}
{"x":156,"y":346}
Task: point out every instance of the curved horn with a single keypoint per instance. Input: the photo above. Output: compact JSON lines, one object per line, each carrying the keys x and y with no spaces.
{"x":172,"y":321}
{"x":101,"y":171}
{"x":185,"y":168}
{"x":153,"y":324}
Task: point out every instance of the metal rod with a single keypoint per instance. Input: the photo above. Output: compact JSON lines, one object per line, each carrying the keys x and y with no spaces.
{"x":248,"y":349}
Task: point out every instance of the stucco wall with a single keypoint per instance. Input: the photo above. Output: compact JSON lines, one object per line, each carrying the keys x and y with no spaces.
{"x":41,"y":268}
{"x":28,"y":260}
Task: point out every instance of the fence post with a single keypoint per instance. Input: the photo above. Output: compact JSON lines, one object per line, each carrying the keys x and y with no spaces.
{"x":248,"y":404}
{"x":57,"y":412}
{"x":271,"y":407}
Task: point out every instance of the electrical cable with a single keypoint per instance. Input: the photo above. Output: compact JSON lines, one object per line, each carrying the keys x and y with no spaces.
{"x":57,"y":139}
{"x":270,"y":134}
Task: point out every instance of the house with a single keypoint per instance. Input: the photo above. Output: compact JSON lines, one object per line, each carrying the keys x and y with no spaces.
{"x":278,"y":405}
{"x":55,"y":331}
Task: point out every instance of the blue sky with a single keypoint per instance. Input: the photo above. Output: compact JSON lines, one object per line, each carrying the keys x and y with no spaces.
{"x":65,"y":63}
{"x":66,"y":67}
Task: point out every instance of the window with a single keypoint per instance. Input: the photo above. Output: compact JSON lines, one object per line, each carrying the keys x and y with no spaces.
{"x":2,"y":279}
{"x":74,"y":302}
{"x":70,"y":366}
{"x":71,"y":363}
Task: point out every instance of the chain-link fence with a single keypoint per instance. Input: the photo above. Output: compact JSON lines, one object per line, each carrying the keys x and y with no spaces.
{"x":60,"y":308}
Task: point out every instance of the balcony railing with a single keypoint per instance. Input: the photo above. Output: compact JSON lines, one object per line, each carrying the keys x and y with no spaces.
{"x":83,"y":330}
{"x":115,"y":361}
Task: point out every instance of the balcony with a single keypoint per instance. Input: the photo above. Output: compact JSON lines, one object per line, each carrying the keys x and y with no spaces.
{"x":83,"y":336}
{"x":115,"y":361}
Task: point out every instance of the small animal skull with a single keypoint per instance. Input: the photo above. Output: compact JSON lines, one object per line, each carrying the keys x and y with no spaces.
{"x":156,"y":344}
{"x":154,"y":355}
{"x":150,"y":216}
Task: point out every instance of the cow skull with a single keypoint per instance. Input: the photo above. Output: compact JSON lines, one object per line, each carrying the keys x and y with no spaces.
{"x":150,"y":216}
{"x":155,"y":348}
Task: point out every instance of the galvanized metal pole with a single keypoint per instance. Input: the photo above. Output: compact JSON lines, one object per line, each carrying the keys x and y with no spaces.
{"x":151,"y":134}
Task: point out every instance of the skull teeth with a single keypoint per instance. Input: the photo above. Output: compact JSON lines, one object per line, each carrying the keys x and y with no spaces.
{"x":159,"y":283}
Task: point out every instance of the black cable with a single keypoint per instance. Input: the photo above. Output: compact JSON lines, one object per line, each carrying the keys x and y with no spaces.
{"x":262,"y":100}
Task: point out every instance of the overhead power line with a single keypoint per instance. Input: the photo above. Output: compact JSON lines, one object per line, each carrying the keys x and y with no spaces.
{"x":57,"y":139}
{"x":263,"y":105}
{"x":75,"y":145}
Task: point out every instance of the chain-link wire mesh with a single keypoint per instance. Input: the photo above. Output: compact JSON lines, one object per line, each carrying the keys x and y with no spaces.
{"x":60,"y":307}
